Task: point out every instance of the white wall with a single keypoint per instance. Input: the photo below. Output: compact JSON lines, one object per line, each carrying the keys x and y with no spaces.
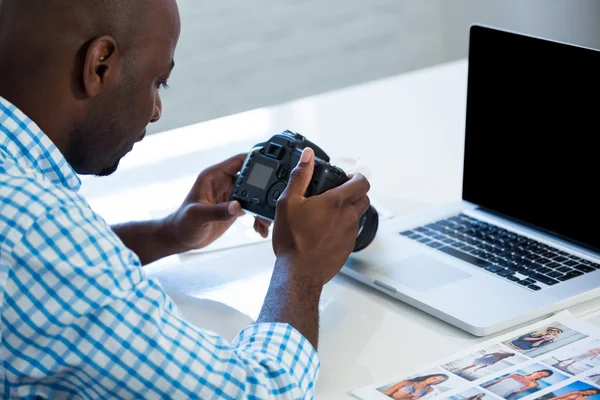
{"x":236,"y":55}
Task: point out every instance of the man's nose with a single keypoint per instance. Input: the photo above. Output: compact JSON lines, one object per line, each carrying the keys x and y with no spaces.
{"x":157,"y":110}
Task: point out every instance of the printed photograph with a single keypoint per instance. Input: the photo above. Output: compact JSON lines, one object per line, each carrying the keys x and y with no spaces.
{"x":574,"y":391}
{"x":524,"y":382}
{"x":425,"y":385}
{"x":485,"y":362}
{"x":545,"y":340}
{"x":594,"y":378}
{"x":576,"y":358}
{"x":471,"y":394}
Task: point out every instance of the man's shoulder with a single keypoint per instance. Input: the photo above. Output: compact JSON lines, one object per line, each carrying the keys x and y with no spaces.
{"x":26,"y":197}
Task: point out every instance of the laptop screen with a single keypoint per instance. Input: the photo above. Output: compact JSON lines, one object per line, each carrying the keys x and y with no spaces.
{"x":533,"y":121}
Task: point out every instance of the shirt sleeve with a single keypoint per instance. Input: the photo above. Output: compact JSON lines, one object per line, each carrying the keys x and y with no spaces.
{"x":81,"y":318}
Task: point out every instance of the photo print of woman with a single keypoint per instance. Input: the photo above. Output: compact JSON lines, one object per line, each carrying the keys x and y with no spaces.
{"x":576,"y":358}
{"x":414,"y":388}
{"x":484,"y":363}
{"x":574,"y":391}
{"x":544,"y":340}
{"x":523,"y":382}
{"x":471,"y":394}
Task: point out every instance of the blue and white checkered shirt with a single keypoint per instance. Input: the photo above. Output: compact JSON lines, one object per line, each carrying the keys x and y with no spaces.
{"x":79,"y":318}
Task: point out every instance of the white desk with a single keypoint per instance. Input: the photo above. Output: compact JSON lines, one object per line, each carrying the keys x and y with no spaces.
{"x":409,"y":130}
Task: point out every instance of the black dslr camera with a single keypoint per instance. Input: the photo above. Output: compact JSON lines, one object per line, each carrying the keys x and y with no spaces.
{"x":266,"y":172}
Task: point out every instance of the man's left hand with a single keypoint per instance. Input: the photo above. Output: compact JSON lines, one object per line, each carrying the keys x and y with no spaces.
{"x":206,"y":212}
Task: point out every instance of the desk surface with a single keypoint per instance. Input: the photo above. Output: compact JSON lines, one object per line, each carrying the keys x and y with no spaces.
{"x":408,"y":130}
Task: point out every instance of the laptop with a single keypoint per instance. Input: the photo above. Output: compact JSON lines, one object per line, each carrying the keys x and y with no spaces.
{"x":525,"y":239}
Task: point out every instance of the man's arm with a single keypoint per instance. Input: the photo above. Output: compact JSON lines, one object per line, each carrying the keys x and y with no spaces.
{"x":293,"y":300}
{"x":149,"y":240}
{"x":81,"y":318}
{"x":312,"y":239}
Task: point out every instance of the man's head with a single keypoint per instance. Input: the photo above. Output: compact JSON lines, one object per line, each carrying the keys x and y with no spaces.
{"x":88,"y":72}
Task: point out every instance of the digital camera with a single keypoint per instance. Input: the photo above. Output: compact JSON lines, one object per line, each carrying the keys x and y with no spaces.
{"x":266,"y":172}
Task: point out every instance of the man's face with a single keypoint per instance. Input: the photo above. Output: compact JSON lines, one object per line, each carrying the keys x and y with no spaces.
{"x":118,"y":118}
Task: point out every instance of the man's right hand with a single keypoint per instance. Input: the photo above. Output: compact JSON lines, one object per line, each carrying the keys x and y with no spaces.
{"x":312,"y":239}
{"x":314,"y":236}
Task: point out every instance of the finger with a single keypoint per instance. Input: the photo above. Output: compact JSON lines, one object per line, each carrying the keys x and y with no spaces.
{"x":263,"y":222}
{"x":264,"y":227}
{"x":357,"y":187}
{"x":217,"y":212}
{"x":260,"y":228}
{"x":232,"y":165}
{"x":301,"y":175}
{"x":264,"y":231}
{"x":362,"y":205}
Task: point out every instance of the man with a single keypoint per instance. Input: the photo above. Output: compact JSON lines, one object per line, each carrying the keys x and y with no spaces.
{"x":79,"y":82}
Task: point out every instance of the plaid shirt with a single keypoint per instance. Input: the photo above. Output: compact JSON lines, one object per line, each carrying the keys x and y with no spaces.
{"x":79,"y":318}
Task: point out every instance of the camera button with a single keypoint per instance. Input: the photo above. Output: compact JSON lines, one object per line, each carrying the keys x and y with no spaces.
{"x":236,"y":190}
{"x":281,"y":173}
{"x":244,"y":172}
{"x":244,"y":193}
{"x":275,"y":193}
{"x":256,"y":200}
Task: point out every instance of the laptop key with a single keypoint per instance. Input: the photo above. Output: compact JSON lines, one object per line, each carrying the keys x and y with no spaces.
{"x":564,"y":270}
{"x":571,"y":263}
{"x":544,"y":279}
{"x":570,"y":275}
{"x":505,"y":272}
{"x":523,"y":283}
{"x":555,"y":274}
{"x":435,"y":245}
{"x":543,"y":270}
{"x":465,"y":257}
{"x":495,"y":269}
{"x":559,"y":259}
{"x":534,"y":287}
{"x":512,"y":278}
{"x":584,"y":268}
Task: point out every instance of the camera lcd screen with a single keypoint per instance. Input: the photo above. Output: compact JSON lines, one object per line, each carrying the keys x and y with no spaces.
{"x":259,"y":177}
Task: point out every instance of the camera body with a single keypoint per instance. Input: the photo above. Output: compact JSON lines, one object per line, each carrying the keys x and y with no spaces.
{"x":267,"y":169}
{"x":266,"y":173}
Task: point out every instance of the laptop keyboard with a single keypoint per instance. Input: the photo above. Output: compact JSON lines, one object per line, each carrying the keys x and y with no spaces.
{"x":524,"y":261}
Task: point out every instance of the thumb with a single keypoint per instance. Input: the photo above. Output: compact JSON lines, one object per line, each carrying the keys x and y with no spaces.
{"x":216,"y":212}
{"x":301,"y":175}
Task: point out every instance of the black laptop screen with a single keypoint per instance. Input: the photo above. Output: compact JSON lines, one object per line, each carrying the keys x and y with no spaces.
{"x":533,"y":121}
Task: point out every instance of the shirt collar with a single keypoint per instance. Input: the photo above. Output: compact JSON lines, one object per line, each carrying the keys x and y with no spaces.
{"x":30,"y":147}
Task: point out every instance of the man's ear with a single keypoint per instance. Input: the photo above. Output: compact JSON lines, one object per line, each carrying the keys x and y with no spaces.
{"x":100,"y":67}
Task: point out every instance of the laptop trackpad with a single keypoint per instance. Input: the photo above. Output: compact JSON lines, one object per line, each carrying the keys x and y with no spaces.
{"x":422,"y":273}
